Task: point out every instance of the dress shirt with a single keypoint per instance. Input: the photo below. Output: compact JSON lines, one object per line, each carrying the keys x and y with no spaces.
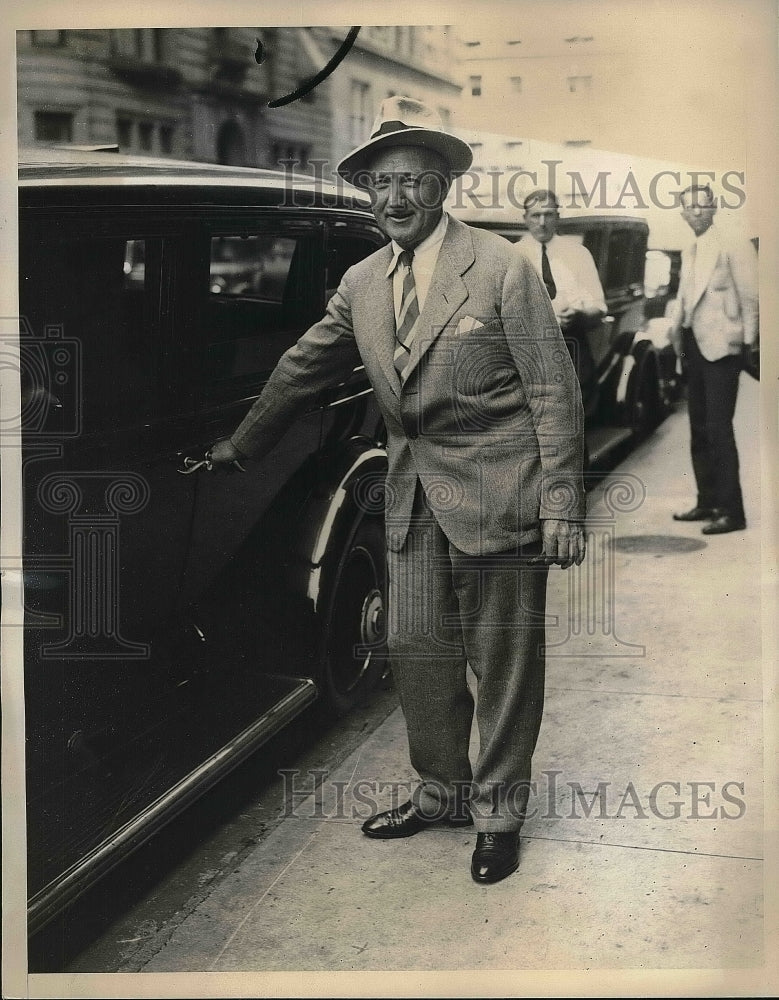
{"x":422,"y":266}
{"x":573,"y":269}
{"x":701,"y":258}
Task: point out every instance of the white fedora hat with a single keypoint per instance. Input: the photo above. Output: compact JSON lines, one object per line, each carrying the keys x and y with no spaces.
{"x":403,"y":121}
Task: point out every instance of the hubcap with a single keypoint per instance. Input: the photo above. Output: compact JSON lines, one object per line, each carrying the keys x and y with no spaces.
{"x":372,"y":618}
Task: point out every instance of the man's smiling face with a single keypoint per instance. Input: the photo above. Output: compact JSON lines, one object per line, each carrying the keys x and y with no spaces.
{"x":408,"y":185}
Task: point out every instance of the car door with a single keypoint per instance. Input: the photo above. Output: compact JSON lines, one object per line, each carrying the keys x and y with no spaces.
{"x":349,"y":408}
{"x":107,"y":521}
{"x":624,"y":273}
{"x":261,"y":283}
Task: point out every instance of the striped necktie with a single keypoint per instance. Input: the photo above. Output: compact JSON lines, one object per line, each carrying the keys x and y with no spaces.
{"x":408,"y":314}
{"x":546,"y":273}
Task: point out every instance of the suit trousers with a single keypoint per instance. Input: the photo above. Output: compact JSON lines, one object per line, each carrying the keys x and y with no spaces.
{"x":448,"y":610}
{"x":712,"y":388}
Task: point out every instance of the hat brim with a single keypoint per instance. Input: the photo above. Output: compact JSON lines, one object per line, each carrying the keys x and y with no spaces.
{"x":458,"y":154}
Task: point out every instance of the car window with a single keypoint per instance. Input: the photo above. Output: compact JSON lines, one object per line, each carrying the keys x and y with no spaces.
{"x":96,"y":295}
{"x":626,"y":258}
{"x":263,"y":291}
{"x":344,"y":250}
{"x":255,"y":267}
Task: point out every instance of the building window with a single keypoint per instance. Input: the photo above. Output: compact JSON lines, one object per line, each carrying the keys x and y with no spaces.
{"x":516,"y":84}
{"x":474,"y":82}
{"x":579,"y":84}
{"x":48,"y":39}
{"x":575,"y":39}
{"x":134,"y":134}
{"x":290,"y":157}
{"x":578,"y":142}
{"x":158,"y":44}
{"x":145,"y":136}
{"x":360,"y":111}
{"x":166,"y":139}
{"x":477,"y":148}
{"x":231,"y":144}
{"x":472,"y":45}
{"x":514,"y":41}
{"x":147,"y":45}
{"x":53,"y":126}
{"x":124,"y":134}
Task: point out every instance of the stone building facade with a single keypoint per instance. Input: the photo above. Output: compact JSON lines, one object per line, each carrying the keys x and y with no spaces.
{"x":202,"y":93}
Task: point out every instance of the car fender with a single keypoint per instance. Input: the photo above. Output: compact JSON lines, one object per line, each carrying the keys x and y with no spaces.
{"x":635,"y":367}
{"x":350,"y":487}
{"x":626,"y":360}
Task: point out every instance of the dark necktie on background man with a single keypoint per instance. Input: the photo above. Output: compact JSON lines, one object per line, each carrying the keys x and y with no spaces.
{"x":546,"y":273}
{"x":408,"y":314}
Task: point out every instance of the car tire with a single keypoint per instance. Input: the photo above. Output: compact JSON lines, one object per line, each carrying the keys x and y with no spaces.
{"x":647,"y":406}
{"x":354,"y":654}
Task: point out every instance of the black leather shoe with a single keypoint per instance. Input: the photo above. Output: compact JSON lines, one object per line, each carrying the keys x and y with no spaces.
{"x":696,"y":514}
{"x":723,"y":524}
{"x":407,"y":820}
{"x":496,"y":855}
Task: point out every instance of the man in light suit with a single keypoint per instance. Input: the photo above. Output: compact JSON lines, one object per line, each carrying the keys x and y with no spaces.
{"x":484,"y":483}
{"x":714,"y":328}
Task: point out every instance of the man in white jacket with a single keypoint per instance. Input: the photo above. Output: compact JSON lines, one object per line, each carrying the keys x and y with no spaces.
{"x":715,"y":325}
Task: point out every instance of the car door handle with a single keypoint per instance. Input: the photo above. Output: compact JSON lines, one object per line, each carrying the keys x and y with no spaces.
{"x":193,"y":464}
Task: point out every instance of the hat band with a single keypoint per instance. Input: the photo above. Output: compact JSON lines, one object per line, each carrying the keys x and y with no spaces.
{"x":393,"y":126}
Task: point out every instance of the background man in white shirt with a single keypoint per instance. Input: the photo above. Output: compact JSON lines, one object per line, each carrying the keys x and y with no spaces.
{"x":715,"y":323}
{"x":569,"y":273}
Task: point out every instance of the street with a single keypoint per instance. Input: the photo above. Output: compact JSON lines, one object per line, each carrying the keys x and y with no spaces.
{"x":643,"y":846}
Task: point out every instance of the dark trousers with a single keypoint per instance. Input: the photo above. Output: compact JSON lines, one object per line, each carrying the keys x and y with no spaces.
{"x":712,"y":387}
{"x":448,"y":610}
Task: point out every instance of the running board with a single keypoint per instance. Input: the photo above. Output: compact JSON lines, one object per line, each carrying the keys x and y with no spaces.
{"x":603,"y":440}
{"x":66,"y":888}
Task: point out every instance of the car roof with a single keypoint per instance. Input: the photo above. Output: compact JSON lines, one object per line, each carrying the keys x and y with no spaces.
{"x":510,"y":217}
{"x":80,"y":167}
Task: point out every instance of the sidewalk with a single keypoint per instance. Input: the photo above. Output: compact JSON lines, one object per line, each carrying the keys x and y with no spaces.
{"x":658,"y":680}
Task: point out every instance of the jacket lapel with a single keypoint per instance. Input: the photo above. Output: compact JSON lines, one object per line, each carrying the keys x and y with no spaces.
{"x":447,"y":291}
{"x":382,"y":310}
{"x":705,"y":262}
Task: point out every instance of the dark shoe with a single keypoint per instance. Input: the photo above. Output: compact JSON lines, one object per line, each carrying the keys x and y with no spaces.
{"x":496,"y":855}
{"x":723,"y":524}
{"x":696,"y":514}
{"x":407,"y":820}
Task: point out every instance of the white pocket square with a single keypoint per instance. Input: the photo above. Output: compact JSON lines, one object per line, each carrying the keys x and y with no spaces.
{"x":466,"y":324}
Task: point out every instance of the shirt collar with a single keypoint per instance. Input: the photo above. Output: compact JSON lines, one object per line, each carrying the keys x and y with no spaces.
{"x":710,"y":237}
{"x":430,"y":243}
{"x":538,"y":245}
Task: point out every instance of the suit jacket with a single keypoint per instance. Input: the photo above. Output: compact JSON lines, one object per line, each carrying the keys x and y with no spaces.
{"x":489,"y":416}
{"x":718,"y":297}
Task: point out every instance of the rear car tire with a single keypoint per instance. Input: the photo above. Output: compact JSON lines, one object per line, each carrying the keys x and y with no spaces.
{"x":646,"y":404}
{"x":354,"y":653}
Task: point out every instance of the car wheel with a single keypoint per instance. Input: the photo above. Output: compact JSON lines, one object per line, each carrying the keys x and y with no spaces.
{"x":354,"y":653}
{"x":647,"y":404}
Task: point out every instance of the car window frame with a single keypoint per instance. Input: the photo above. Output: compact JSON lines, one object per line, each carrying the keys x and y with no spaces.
{"x":235,"y":221}
{"x":118,"y":222}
